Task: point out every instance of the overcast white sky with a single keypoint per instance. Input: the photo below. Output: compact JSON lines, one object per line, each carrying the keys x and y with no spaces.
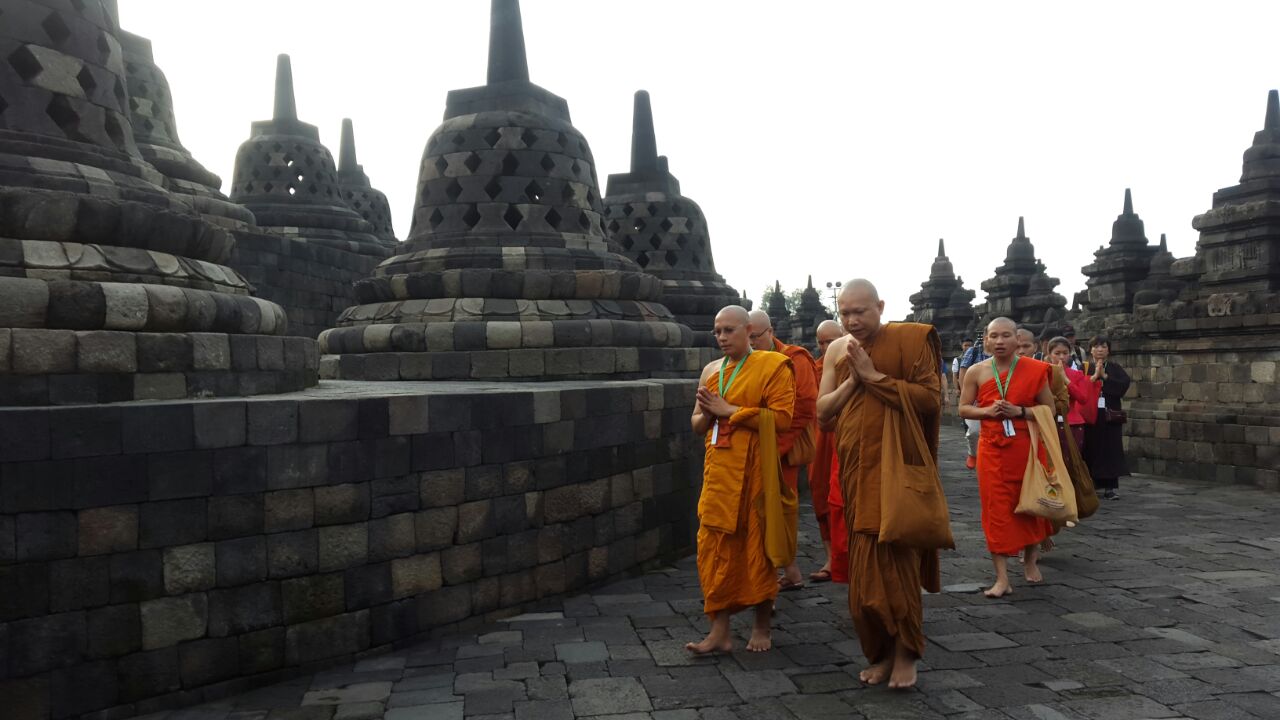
{"x":822,"y":137}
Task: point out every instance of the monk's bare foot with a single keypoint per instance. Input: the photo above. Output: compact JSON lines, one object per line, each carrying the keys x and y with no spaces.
{"x":1047,"y":545}
{"x":1032,"y":572}
{"x":710,"y":646}
{"x":761,"y":634}
{"x":904,"y":673}
{"x":999,"y":590}
{"x":876,"y":674}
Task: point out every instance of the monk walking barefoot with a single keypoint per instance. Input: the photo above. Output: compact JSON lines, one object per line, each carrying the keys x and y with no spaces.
{"x":1004,"y":389}
{"x":743,"y":401}
{"x":875,"y":370}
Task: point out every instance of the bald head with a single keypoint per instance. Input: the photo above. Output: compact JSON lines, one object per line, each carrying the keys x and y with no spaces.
{"x":860,"y":308}
{"x":828,"y":331}
{"x":733,"y":331}
{"x":1001,"y":340}
{"x":761,"y":330}
{"x":1026,"y":342}
{"x":1003,"y":322}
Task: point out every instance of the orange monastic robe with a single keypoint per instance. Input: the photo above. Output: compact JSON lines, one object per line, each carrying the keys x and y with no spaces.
{"x":820,"y":470}
{"x":733,"y":568}
{"x":1002,"y":460}
{"x":885,"y":579}
{"x":805,"y":412}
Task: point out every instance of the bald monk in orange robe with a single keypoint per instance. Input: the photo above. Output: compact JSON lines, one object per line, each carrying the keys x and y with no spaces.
{"x":822,"y":469}
{"x":862,"y":377}
{"x":803,"y":415}
{"x":742,"y":401}
{"x":1002,"y":458}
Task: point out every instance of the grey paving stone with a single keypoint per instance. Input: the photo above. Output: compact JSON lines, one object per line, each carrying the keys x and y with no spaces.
{"x":608,"y":696}
{"x":581,"y":652}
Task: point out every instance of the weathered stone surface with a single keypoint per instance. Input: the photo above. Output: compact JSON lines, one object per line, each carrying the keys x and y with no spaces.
{"x":189,"y":568}
{"x":169,"y":621}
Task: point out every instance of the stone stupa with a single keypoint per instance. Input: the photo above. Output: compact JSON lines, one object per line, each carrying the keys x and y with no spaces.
{"x":664,"y":232}
{"x":507,"y":272}
{"x":358,"y":191}
{"x":112,"y":287}
{"x":943,"y":302}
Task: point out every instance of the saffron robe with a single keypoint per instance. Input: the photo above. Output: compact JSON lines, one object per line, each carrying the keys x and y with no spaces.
{"x":821,"y":467}
{"x":1002,"y":461}
{"x":733,"y":568}
{"x":805,"y":411}
{"x":885,"y":579}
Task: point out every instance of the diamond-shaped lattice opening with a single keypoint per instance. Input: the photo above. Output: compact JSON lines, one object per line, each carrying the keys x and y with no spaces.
{"x":493,"y":189}
{"x":653,"y":210}
{"x":548,"y":164}
{"x":655,"y":242}
{"x":114,"y":130}
{"x":534,"y":192}
{"x":104,"y":45}
{"x":583,"y":221}
{"x":248,"y":188}
{"x":627,"y":210}
{"x":638,"y":225}
{"x":553,"y":218}
{"x":591,"y":197}
{"x":671,"y":258}
{"x":459,"y":139}
{"x":454,"y":190}
{"x":576,"y":168}
{"x":313,"y":190}
{"x":697,"y":260}
{"x":441,"y":165}
{"x":682,"y":241}
{"x":643,"y":260}
{"x":510,"y":164}
{"x":666,"y":225}
{"x":436,"y":218}
{"x":614,"y":227}
{"x":582,"y":147}
{"x":56,"y":28}
{"x":25,"y":64}
{"x":492,"y":137}
{"x":472,"y":217}
{"x":87,"y":83}
{"x":66,"y":118}
{"x":472,"y":162}
{"x":562,"y":140}
{"x":513,"y":217}
{"x":676,"y":209}
{"x":268,"y":187}
{"x":528,"y":137}
{"x":628,"y":243}
{"x":690,"y":225}
{"x":567,"y":194}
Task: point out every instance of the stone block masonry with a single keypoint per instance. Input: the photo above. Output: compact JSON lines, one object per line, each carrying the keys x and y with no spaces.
{"x":162,"y":554}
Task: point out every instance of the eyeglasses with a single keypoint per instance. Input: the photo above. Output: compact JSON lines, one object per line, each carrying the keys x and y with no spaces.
{"x":759,"y":335}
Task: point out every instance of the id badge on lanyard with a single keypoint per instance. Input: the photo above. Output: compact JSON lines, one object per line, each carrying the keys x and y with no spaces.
{"x":1003,"y":388}
{"x":1009,"y":430}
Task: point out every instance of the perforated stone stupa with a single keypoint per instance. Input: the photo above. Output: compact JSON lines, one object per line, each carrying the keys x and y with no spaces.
{"x":1118,"y":268}
{"x":358,"y":191}
{"x":944,"y":302}
{"x":507,"y":271}
{"x":111,"y":287}
{"x":1022,"y":289}
{"x":287,"y":177}
{"x":804,"y":322}
{"x":155,"y":130}
{"x":665,"y":232}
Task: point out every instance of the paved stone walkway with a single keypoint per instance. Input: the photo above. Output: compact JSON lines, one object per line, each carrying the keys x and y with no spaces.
{"x":1164,"y":605}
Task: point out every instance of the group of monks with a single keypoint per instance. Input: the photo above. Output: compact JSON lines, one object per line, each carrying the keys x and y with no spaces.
{"x":766,"y":409}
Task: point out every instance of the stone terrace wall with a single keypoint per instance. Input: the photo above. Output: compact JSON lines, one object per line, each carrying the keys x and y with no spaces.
{"x":312,"y":282}
{"x":1202,"y":405}
{"x":157,"y":554}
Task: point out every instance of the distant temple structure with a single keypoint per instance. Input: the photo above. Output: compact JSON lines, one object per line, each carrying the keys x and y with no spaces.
{"x":803,"y":323}
{"x":775,"y":305}
{"x":1022,"y":289}
{"x":664,"y":232}
{"x":1112,"y":279}
{"x":508,"y":272}
{"x":944,"y":303}
{"x":358,"y":192}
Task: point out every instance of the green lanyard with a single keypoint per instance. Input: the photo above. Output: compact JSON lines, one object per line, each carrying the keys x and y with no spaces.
{"x":1008,"y":378}
{"x":732,"y":376}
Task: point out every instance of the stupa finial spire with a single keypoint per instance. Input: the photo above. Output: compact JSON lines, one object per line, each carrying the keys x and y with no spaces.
{"x":1128,"y":202}
{"x":286,"y":108}
{"x":507,"y":59}
{"x":1272,"y":121}
{"x":1022,"y":232}
{"x":347,"y":152}
{"x":1164,"y":243}
{"x":644,"y":145}
{"x":810,"y":285}
{"x":942,"y":250}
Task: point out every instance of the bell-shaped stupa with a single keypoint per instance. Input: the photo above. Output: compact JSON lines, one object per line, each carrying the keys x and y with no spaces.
{"x":507,"y":272}
{"x":287,"y":177}
{"x":943,"y":302}
{"x":664,"y":232}
{"x":1022,"y":290}
{"x":1118,"y":268}
{"x":358,"y":191}
{"x":111,"y":287}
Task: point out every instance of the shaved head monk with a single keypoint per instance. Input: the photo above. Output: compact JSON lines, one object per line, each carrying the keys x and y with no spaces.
{"x":1026,"y":342}
{"x":1004,"y":388}
{"x":821,"y":470}
{"x":796,"y":443}
{"x":875,"y":370}
{"x":744,"y":401}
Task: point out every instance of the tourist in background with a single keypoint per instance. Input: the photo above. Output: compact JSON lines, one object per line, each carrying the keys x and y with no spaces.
{"x":1077,"y":353}
{"x":1081,"y":399}
{"x":1104,"y":439}
{"x":973,"y":428}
